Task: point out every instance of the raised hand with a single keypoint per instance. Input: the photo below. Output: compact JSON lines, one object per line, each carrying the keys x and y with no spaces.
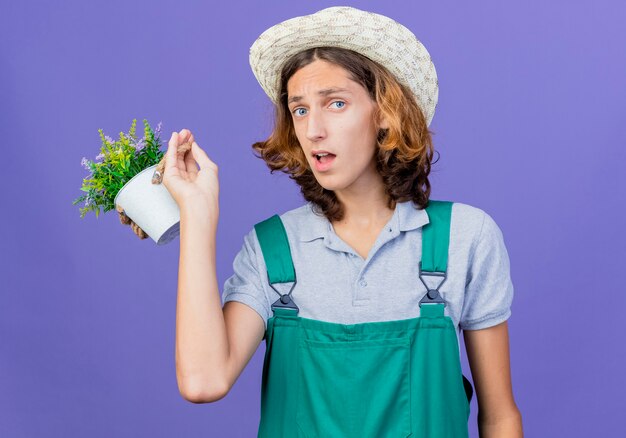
{"x":186,"y":183}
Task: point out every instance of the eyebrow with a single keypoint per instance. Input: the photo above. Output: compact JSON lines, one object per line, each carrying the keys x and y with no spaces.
{"x":322,"y":92}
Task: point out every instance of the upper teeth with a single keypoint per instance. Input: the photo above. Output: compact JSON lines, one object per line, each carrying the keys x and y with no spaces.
{"x":322,"y":155}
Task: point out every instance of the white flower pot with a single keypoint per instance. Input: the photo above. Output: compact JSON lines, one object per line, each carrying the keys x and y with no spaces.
{"x":150,"y":206}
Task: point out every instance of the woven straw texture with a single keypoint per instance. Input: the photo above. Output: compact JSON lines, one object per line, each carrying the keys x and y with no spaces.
{"x":380,"y":38}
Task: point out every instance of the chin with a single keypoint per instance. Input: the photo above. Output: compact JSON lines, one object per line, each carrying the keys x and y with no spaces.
{"x":328,"y":184}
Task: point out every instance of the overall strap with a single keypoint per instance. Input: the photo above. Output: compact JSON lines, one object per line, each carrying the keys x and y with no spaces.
{"x":435,"y":245}
{"x":277,"y":255}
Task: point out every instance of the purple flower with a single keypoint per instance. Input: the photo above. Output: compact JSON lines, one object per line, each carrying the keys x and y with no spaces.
{"x":157,"y":130}
{"x":109,"y":139}
{"x":85,"y":163}
{"x":100,"y":156}
{"x":139,"y":145}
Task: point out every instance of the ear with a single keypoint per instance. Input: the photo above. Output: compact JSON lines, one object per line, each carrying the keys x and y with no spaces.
{"x":381,"y":120}
{"x":383,"y":124}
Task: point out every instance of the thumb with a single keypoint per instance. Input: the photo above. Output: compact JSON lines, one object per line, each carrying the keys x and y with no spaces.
{"x":200,"y":156}
{"x":172,"y":149}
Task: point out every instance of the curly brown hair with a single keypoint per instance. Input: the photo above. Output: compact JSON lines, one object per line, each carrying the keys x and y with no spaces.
{"x":405,"y":149}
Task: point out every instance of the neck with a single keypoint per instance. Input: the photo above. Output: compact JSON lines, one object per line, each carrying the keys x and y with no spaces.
{"x":364,"y":209}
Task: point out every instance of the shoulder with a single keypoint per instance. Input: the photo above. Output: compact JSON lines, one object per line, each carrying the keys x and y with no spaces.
{"x":466,"y":220}
{"x":467,"y":214}
{"x":298,"y":222}
{"x":295,"y":215}
{"x":488,"y":288}
{"x":473,"y":224}
{"x":299,"y":214}
{"x":304,"y":223}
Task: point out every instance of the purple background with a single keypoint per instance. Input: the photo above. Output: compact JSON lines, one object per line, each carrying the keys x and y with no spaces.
{"x":529,"y":125}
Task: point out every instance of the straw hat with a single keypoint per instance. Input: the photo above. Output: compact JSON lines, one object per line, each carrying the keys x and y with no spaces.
{"x":376,"y":36}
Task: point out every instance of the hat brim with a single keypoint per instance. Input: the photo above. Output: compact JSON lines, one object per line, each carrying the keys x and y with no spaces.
{"x":376,"y":36}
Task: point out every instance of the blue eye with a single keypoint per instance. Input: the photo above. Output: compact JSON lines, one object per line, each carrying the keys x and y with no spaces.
{"x":302,"y":111}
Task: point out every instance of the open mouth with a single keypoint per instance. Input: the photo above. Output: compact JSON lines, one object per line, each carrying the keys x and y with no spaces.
{"x":324,"y":158}
{"x":324,"y":161}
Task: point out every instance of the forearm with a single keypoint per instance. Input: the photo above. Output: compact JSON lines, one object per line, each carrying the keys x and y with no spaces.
{"x":504,"y":426}
{"x":201,"y":340}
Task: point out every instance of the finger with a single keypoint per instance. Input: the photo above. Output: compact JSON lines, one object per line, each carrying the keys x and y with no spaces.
{"x":200,"y":156}
{"x":183,"y":135}
{"x":170,"y":155}
{"x":190,"y":163}
{"x":180,"y":156}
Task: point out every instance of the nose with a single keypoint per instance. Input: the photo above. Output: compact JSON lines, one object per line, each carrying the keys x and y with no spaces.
{"x":315,"y":129}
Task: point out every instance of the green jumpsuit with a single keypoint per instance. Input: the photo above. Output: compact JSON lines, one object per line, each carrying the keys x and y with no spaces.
{"x":395,"y":378}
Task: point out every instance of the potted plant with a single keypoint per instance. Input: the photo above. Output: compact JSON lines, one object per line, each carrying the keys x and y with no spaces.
{"x":126,"y":176}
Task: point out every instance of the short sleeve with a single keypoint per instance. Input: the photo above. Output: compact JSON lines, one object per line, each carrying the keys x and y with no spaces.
{"x":245,"y":285}
{"x":489,"y":289}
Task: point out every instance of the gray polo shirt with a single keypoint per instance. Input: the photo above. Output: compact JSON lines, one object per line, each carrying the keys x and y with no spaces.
{"x":334,"y":283}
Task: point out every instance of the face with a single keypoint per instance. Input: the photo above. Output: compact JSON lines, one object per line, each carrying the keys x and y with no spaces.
{"x":333,"y":114}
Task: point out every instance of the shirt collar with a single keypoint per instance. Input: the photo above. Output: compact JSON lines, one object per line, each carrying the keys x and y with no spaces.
{"x":405,"y":217}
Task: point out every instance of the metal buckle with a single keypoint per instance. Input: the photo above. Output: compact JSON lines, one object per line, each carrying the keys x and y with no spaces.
{"x":433,"y":296}
{"x":285,"y":301}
